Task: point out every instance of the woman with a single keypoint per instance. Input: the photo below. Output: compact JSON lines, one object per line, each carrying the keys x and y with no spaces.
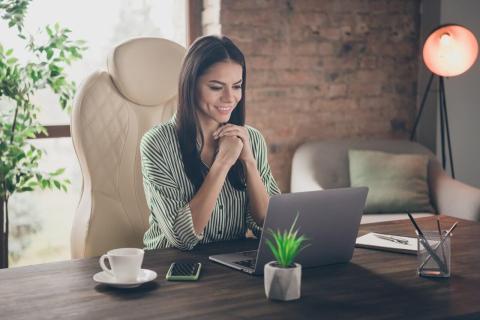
{"x":205,"y":173}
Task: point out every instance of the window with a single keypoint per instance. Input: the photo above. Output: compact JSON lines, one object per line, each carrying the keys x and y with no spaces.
{"x":41,"y":220}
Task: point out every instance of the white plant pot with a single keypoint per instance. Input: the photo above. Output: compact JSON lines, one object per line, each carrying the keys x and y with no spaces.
{"x":282,"y":283}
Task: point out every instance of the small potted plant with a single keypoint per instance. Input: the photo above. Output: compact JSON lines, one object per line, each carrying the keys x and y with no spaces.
{"x":283,"y":277}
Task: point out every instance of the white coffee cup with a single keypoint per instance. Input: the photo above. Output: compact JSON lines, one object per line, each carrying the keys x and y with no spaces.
{"x":125,"y":263}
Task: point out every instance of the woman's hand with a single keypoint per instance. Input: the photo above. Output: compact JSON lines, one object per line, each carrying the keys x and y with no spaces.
{"x":229,"y":149}
{"x":231,"y":130}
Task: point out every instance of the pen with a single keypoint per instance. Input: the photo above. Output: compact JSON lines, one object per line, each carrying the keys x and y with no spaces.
{"x":440,"y":235}
{"x":415,"y":224}
{"x":390,"y":238}
{"x":427,"y":246}
{"x":447,"y":234}
{"x":439,"y":228}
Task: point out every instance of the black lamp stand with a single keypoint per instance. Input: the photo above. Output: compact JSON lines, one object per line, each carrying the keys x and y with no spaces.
{"x":444,"y":128}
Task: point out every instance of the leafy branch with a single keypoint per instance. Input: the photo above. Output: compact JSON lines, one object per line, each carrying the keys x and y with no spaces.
{"x":19,"y":159}
{"x":14,"y":12}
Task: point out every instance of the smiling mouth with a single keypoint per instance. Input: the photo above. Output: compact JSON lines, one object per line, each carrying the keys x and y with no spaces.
{"x":224,"y":109}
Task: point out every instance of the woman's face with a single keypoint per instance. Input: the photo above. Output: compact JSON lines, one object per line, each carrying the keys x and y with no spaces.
{"x":219,"y":91}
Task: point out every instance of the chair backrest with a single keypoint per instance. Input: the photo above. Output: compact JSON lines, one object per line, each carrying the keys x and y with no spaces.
{"x":324,"y":164}
{"x":112,"y":111}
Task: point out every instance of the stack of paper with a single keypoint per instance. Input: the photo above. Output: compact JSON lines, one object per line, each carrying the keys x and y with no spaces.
{"x":380,"y":241}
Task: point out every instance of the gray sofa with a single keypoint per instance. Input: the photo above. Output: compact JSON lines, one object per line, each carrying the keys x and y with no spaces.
{"x":324,"y":165}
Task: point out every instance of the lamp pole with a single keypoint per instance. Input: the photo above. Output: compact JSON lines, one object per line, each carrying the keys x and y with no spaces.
{"x":444,"y":126}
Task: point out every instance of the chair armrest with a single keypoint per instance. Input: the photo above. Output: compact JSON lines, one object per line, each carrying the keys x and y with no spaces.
{"x":452,"y":197}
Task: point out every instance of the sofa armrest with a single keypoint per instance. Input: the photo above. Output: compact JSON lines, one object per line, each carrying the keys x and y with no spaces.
{"x":452,"y":197}
{"x":303,"y":180}
{"x":305,"y":170}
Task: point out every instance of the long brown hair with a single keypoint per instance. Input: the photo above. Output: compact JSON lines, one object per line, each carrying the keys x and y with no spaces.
{"x":202,"y":54}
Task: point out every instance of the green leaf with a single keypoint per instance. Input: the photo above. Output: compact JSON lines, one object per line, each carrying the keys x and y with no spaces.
{"x":49,"y":31}
{"x":58,"y":172}
{"x":273,"y":249}
{"x":32,"y":184}
{"x":278,"y":237}
{"x":12,"y":61}
{"x":286,"y":244}
{"x":44,"y":184}
{"x":49,"y":53}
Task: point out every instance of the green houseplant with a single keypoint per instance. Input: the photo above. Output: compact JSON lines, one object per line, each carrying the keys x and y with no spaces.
{"x":282,"y":278}
{"x":19,"y":82}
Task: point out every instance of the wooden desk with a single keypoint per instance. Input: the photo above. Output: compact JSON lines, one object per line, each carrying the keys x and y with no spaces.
{"x":375,"y":285}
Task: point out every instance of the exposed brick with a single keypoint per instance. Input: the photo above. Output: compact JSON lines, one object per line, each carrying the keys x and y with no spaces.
{"x":256,"y":17}
{"x":372,"y":76}
{"x":361,"y":28}
{"x":325,"y":69}
{"x":283,"y":62}
{"x":312,"y":62}
{"x":331,"y":33}
{"x":336,"y":91}
{"x":325,"y":49}
{"x":368,"y":62}
{"x":259,"y":62}
{"x":303,"y":48}
{"x":313,"y":19}
{"x":310,"y":5}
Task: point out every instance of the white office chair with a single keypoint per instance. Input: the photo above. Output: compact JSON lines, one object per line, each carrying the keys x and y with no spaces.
{"x":112,"y":111}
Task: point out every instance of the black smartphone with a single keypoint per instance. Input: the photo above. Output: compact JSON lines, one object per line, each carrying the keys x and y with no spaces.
{"x":184,"y":271}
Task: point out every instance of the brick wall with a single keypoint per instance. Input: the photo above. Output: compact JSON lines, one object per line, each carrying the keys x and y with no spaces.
{"x":325,"y":69}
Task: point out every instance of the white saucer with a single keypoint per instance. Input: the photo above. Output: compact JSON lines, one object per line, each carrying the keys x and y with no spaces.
{"x":144,"y":276}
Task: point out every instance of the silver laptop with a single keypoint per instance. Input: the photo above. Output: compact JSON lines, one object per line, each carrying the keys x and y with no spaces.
{"x":329,"y":218}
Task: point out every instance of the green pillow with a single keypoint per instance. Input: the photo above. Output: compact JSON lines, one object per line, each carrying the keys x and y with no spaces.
{"x":396,"y":182}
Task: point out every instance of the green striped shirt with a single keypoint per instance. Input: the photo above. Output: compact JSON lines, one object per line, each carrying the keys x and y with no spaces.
{"x":169,"y":191}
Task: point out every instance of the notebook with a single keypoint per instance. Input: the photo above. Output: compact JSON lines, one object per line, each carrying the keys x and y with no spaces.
{"x":388,"y":242}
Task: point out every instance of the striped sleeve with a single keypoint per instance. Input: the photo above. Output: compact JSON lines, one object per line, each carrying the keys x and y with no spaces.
{"x":167,"y":203}
{"x":260,"y":151}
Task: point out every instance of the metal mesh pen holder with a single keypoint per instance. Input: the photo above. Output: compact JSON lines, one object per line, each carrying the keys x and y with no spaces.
{"x":433,"y":255}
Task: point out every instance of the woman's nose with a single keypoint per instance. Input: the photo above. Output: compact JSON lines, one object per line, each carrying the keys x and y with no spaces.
{"x":227,"y":95}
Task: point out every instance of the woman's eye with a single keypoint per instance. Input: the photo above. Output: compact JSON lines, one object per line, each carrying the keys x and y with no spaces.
{"x":237,"y":87}
{"x":216,"y":88}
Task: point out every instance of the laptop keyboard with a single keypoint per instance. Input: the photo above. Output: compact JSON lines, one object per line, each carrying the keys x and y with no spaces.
{"x":247,"y":263}
{"x":250,"y":261}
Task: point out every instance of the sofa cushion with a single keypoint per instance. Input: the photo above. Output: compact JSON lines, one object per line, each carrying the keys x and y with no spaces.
{"x":396,"y":182}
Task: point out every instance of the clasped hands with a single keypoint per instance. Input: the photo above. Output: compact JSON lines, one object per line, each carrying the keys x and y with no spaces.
{"x":233,"y":144}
